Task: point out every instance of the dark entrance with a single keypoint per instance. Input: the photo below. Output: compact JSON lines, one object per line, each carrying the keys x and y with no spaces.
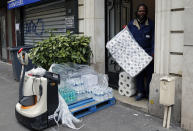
{"x":118,"y":14}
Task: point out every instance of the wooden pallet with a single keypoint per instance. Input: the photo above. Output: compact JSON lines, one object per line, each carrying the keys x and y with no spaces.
{"x":88,"y":106}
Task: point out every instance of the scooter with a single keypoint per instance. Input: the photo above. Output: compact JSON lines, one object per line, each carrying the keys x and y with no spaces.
{"x":38,"y":97}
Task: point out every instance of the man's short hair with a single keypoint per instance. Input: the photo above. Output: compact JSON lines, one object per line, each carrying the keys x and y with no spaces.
{"x":144,"y":5}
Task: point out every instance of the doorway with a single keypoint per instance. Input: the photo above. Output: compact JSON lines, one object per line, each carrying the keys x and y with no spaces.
{"x":119,"y":13}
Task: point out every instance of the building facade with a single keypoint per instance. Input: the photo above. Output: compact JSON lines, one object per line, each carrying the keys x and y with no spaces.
{"x":102,"y":19}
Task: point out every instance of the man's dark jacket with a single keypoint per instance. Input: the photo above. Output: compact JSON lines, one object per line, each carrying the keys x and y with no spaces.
{"x":143,"y":34}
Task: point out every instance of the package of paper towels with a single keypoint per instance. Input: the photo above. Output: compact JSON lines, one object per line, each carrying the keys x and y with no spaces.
{"x":129,"y":92}
{"x":126,"y":84}
{"x":124,"y":91}
{"x":127,"y":52}
{"x":125,"y":77}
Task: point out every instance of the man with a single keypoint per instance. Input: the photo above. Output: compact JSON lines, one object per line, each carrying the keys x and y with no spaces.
{"x":142,"y":29}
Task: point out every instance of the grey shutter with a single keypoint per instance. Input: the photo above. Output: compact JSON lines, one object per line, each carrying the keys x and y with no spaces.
{"x":41,"y":18}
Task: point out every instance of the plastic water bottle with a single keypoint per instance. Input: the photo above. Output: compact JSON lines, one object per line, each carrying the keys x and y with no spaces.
{"x":101,"y":95}
{"x":110,"y":93}
{"x":89,"y":92}
{"x":97,"y":95}
{"x":106,"y":94}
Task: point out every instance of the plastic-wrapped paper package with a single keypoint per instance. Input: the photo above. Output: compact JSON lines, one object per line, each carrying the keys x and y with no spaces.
{"x":127,"y":53}
{"x":122,"y":90}
{"x":123,"y":76}
{"x":126,"y":84}
{"x":129,"y":92}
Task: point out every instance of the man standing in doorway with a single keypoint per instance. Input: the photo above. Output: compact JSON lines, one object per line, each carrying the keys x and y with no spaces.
{"x":142,"y":29}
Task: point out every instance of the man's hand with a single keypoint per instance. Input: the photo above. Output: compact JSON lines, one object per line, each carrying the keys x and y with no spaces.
{"x":124,"y":26}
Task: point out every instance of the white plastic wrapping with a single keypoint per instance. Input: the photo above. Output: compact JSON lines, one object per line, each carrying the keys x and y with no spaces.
{"x":84,"y":80}
{"x":89,"y":79}
{"x":37,"y":71}
{"x":127,"y":53}
{"x":69,"y":70}
{"x":64,"y":115}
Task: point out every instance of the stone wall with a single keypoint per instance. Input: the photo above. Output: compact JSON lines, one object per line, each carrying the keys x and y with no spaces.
{"x":92,"y":23}
{"x":169,"y":45}
{"x":155,"y":108}
{"x":187,"y":83}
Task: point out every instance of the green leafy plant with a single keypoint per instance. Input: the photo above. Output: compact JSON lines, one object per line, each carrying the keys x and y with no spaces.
{"x":61,"y":49}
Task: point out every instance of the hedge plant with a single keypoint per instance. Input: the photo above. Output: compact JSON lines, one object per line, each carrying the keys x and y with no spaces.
{"x":61,"y":49}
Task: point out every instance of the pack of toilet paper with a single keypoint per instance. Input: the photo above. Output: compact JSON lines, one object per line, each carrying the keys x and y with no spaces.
{"x":126,"y":85}
{"x":127,"y":53}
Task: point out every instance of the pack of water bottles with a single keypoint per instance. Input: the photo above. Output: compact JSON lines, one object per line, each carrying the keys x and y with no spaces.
{"x":83,"y":80}
{"x":68,"y":94}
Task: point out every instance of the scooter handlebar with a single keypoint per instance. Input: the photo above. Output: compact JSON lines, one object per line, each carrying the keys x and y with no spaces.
{"x":20,"y":50}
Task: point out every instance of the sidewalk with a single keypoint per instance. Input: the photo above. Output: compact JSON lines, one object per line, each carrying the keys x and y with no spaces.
{"x":115,"y":118}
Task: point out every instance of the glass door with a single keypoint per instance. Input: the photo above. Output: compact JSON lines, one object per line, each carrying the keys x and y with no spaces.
{"x":118,"y":14}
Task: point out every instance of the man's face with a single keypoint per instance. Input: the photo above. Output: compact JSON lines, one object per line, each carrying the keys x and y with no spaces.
{"x":141,"y":12}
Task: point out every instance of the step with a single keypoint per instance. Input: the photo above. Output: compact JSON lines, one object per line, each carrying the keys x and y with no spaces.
{"x":131,"y":102}
{"x":88,"y":106}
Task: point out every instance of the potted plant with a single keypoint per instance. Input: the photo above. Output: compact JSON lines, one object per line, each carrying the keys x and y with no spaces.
{"x":61,"y":49}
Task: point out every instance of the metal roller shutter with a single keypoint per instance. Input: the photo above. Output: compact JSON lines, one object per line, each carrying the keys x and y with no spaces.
{"x":59,"y":15}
